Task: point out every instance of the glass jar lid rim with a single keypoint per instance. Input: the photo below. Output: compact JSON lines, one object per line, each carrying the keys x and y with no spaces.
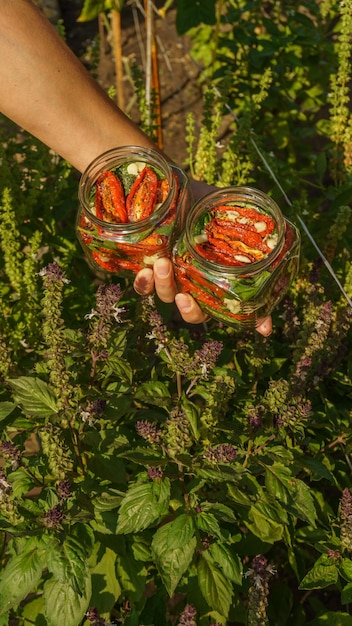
{"x":122,"y":154}
{"x":250,"y":194}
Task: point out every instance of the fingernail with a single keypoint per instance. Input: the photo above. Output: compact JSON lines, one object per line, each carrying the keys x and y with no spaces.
{"x":142,"y":286}
{"x":183,"y":302}
{"x":162,"y":268}
{"x":266,"y":330}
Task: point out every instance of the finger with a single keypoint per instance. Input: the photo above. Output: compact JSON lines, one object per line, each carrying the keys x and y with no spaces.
{"x":189,"y":309}
{"x":165,"y":285}
{"x":144,"y":282}
{"x":265,"y":326}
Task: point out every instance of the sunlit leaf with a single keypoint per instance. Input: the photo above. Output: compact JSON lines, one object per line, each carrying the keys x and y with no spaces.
{"x":20,"y":577}
{"x":6,"y":409}
{"x":64,"y":605}
{"x":323,"y":574}
{"x":34,"y":396}
{"x":215,"y":587}
{"x":142,"y":506}
{"x":172,"y":563}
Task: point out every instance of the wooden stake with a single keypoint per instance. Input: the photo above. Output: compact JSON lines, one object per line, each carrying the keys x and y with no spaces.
{"x":152,"y":72}
{"x":116,"y":33}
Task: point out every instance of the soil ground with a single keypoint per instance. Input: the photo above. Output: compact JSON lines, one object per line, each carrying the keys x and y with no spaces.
{"x":178,"y":73}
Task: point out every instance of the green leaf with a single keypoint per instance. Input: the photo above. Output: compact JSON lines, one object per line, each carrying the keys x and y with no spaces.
{"x":172,"y":563}
{"x":221,"y":511}
{"x":21,"y":482}
{"x":141,"y":549}
{"x":216,"y":589}
{"x":120,"y":368}
{"x":229,"y":563}
{"x":277,"y":477}
{"x":153,"y":392}
{"x":91,"y":10}
{"x":34,"y":396}
{"x":345,"y":569}
{"x":131,"y":575}
{"x":292,"y":492}
{"x":180,"y":531}
{"x":208,"y":523}
{"x":5,"y":409}
{"x":107,"y":501}
{"x":303,"y":503}
{"x":190,"y":14}
{"x":239,"y":496}
{"x":106,"y":588}
{"x":20,"y":576}
{"x":261,"y":523}
{"x":67,"y":562}
{"x":33,"y":612}
{"x":346,"y":594}
{"x":322,"y":574}
{"x":142,"y":456}
{"x":192,"y":413}
{"x":64,"y":605}
{"x":142,"y":506}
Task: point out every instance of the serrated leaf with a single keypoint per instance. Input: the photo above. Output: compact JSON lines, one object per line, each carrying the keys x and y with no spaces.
{"x":34,"y":396}
{"x":107,"y":501}
{"x":171,"y":563}
{"x":106,"y":588}
{"x":192,"y":413}
{"x":142,"y":456}
{"x":216,"y":589}
{"x":303,"y":503}
{"x":142,"y":506}
{"x":261,"y":524}
{"x":64,"y":605}
{"x":141,"y":549}
{"x":225,"y":475}
{"x":208,"y":523}
{"x":277,"y":477}
{"x":239,"y":496}
{"x":20,"y":576}
{"x":322,"y":574}
{"x":292,"y":492}
{"x":21,"y":482}
{"x":345,"y":569}
{"x":229,"y":563}
{"x":6,"y":409}
{"x":346,"y":594}
{"x":221,"y":511}
{"x":153,"y":392}
{"x":120,"y":368}
{"x":180,"y":531}
{"x":66,"y":561}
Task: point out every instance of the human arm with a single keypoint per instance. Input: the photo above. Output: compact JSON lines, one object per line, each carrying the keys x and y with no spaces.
{"x":47,"y":91}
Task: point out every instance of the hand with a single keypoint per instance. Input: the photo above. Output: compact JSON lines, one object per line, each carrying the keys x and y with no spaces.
{"x":161,"y":278}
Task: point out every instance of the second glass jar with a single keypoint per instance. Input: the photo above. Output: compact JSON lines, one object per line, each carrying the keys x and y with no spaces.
{"x":237,"y":255}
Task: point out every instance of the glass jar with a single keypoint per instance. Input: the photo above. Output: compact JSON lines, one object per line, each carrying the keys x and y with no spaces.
{"x":237,"y":255}
{"x":132,"y":205}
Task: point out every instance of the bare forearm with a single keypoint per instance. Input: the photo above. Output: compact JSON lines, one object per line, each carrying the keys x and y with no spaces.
{"x":46,"y":90}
